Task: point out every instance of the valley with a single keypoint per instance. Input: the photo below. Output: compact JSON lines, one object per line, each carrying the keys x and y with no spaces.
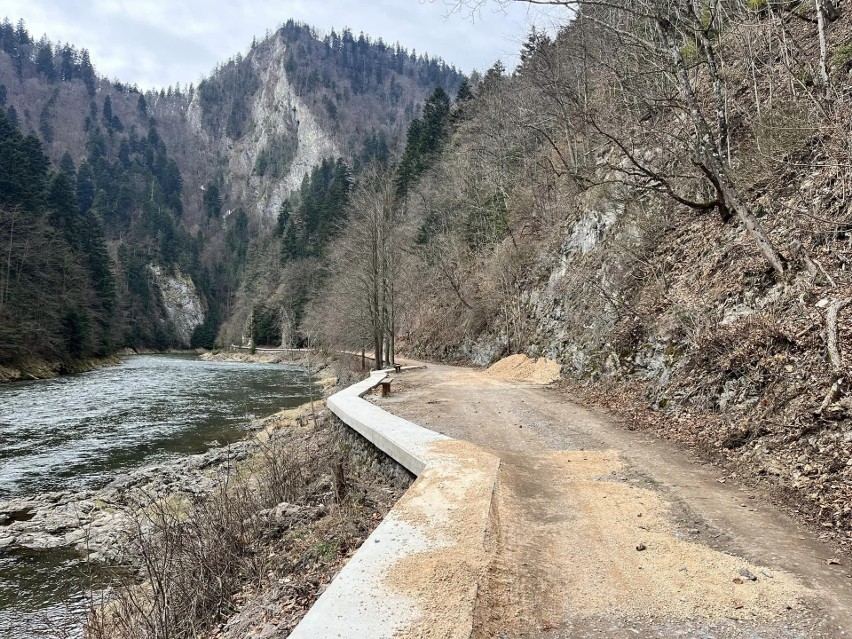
{"x":649,"y":210}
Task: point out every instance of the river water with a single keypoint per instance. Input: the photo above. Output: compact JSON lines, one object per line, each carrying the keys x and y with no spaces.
{"x":78,"y":432}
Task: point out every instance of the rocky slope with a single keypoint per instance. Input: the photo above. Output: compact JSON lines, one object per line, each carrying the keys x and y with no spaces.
{"x":663,"y":308}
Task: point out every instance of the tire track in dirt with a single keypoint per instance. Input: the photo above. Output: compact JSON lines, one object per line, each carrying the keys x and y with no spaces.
{"x":576,"y":496}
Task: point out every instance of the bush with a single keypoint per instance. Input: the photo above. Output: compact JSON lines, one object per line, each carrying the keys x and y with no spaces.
{"x":276,"y":156}
{"x":268,"y":519}
{"x":842,"y":57}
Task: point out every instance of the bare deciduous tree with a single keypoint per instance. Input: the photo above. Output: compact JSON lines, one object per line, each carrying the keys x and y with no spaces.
{"x":359,"y":303}
{"x":664,"y":62}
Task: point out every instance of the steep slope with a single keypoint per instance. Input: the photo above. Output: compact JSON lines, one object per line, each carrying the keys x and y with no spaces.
{"x":184,"y":180}
{"x":658,"y":201}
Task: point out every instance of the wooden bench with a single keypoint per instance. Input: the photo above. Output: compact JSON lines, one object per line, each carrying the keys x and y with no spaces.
{"x":386,"y":387}
{"x":397,"y":368}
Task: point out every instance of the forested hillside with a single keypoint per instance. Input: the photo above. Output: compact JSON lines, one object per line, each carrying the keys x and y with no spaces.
{"x":57,"y":292}
{"x":180,"y":182}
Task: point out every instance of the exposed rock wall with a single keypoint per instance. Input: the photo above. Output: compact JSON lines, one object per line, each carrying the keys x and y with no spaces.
{"x":673,"y":319}
{"x":277,"y":113}
{"x":181,"y":302}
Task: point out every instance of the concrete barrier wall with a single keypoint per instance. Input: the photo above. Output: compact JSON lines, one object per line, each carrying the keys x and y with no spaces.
{"x":402,"y":440}
{"x":365,"y":600}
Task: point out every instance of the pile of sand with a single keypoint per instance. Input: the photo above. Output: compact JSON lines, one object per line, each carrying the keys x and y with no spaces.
{"x":524,"y":369}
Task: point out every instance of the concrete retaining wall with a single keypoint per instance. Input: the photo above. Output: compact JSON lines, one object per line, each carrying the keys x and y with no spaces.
{"x":385,"y":590}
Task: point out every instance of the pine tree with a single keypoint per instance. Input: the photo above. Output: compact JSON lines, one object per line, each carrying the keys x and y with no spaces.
{"x":93,"y":244}
{"x":63,"y":211}
{"x":44,"y":60}
{"x":85,"y":187}
{"x":285,"y":212}
{"x":45,"y":124}
{"x":87,"y":73}
{"x":493,"y":77}
{"x":107,"y":111}
{"x":33,"y":169}
{"x":124,"y":152}
{"x":464,"y":93}
{"x":435,"y":115}
{"x":66,"y":165}
{"x":67,"y":64}
{"x":212,"y":201}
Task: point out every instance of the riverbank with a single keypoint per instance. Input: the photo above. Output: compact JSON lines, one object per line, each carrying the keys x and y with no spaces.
{"x":35,"y":368}
{"x":91,"y":521}
{"x":318,"y":365}
{"x":261,"y":356}
{"x":250,"y":557}
{"x":95,"y":523}
{"x":298,"y":488}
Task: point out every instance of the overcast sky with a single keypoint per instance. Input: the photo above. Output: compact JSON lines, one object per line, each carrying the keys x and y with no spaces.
{"x":156,"y":43}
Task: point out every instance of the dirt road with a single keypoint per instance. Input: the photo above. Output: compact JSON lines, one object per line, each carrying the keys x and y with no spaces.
{"x":602,"y":532}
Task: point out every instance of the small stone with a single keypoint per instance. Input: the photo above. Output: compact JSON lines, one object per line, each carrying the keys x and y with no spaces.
{"x":694,"y":531}
{"x":745,"y":572}
{"x":737,"y":580}
{"x":767,"y":573}
{"x":641,"y":547}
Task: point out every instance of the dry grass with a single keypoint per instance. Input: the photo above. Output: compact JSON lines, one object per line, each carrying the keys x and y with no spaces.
{"x":294,"y":512}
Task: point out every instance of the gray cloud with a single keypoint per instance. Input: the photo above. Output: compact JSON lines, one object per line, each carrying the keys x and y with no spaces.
{"x":156,"y":43}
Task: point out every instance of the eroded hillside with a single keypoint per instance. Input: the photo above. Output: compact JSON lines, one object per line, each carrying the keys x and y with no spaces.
{"x":658,"y":199}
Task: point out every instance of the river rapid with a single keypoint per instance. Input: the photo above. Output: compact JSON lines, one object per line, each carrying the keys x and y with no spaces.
{"x":79,"y":433}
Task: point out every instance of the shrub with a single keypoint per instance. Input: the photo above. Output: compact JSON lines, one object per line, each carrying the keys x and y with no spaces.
{"x":842,"y":57}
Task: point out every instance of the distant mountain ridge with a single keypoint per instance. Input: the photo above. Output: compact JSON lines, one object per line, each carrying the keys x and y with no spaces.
{"x":184,"y":179}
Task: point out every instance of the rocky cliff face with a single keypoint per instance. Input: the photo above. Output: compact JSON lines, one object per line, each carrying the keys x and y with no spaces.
{"x":181,"y":302}
{"x":670,"y":318}
{"x":278,"y":117}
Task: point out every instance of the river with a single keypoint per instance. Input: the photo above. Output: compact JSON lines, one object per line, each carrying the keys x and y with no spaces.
{"x":78,"y":432}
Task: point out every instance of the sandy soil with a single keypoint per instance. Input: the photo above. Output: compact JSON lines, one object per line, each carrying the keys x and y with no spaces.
{"x":524,"y":369}
{"x":448,"y":498}
{"x":597,"y":531}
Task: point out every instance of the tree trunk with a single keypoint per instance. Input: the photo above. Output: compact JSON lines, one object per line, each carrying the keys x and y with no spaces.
{"x":4,"y":291}
{"x":823,"y":45}
{"x":711,"y":154}
{"x":387,"y":352}
{"x":378,"y":348}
